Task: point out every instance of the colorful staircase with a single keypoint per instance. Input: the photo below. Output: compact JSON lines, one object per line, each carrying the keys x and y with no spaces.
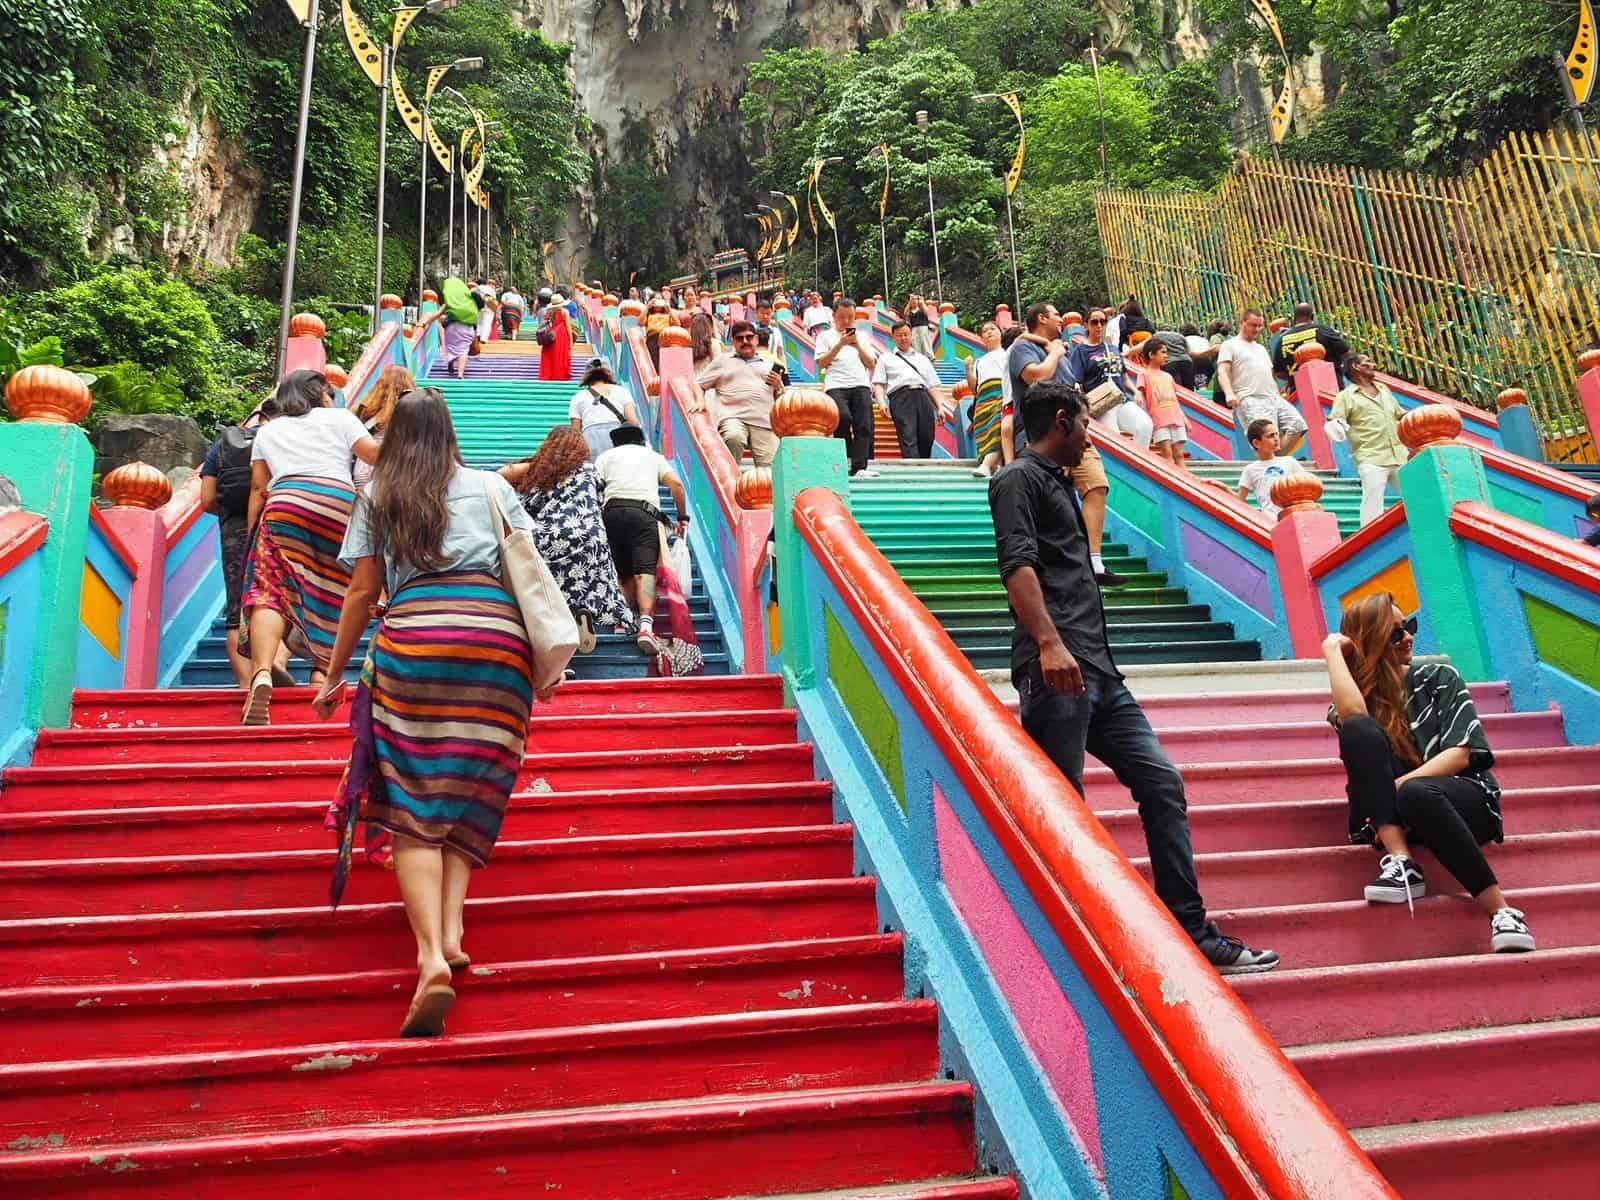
{"x":932,"y":522}
{"x":510,"y":361}
{"x":680,"y":990}
{"x":1463,"y":1073}
{"x":1340,"y":495}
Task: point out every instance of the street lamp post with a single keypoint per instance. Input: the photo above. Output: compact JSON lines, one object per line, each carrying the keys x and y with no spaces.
{"x":435,"y":75}
{"x":933,"y":225}
{"x":1100,"y":103}
{"x":1011,"y":229}
{"x":312,"y":15}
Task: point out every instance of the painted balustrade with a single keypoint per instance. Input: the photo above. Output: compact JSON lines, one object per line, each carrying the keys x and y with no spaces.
{"x":108,"y":574}
{"x":22,"y":538}
{"x":1109,"y":1058}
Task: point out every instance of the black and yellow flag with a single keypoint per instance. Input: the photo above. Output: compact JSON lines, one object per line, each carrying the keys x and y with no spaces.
{"x":368,"y":56}
{"x":883,"y":204}
{"x":794,"y":230}
{"x":821,"y":207}
{"x":1580,"y":59}
{"x":1014,"y":176}
{"x":1283,"y":107}
{"x":811,"y":184}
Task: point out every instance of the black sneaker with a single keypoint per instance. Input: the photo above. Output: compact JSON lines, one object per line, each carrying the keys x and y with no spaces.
{"x":1399,"y":881}
{"x":1230,"y":956}
{"x":1509,"y":932}
{"x":1109,"y":578}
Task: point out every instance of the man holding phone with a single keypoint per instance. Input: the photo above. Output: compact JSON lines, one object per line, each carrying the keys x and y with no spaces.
{"x":847,"y":357}
{"x":746,"y":385}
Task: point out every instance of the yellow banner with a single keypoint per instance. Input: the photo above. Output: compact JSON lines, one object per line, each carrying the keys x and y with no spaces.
{"x":402,"y":22}
{"x":1014,"y":176}
{"x":883,"y":205}
{"x":1283,"y":109}
{"x":434,"y":75}
{"x":1580,"y":59}
{"x":794,"y":230}
{"x":301,"y":10}
{"x":441,"y":152}
{"x":549,"y":275}
{"x":1264,"y":11}
{"x":811,"y":213}
{"x":368,"y":56}
{"x":410,"y":114}
{"x":822,"y":207}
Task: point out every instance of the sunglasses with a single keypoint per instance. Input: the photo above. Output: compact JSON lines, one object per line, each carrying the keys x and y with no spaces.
{"x":1097,"y":322}
{"x":1406,"y":628}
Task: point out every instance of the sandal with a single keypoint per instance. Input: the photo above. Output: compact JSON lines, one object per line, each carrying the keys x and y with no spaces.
{"x":460,"y":962}
{"x":426,"y":1018}
{"x":586,"y":638}
{"x":258,"y":704}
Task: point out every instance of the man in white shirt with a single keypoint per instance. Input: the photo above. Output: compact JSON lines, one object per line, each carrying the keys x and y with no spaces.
{"x":1244,"y":375}
{"x":846,"y":355}
{"x":908,"y":389}
{"x":816,"y":317}
{"x":631,"y":475}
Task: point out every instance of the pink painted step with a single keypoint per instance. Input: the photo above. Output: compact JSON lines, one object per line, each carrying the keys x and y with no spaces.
{"x":297,"y":825}
{"x":162,"y":1097}
{"x":63,"y":1023}
{"x":1329,"y":1004}
{"x":817,"y":1139}
{"x":1335,"y":873}
{"x":1233,"y":710}
{"x":1547,"y":1152}
{"x":1288,"y":823}
{"x":307,"y":940}
{"x":189,"y":707}
{"x":231,"y":882}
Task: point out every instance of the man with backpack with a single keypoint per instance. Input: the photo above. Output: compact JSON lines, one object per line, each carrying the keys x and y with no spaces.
{"x":225,"y":491}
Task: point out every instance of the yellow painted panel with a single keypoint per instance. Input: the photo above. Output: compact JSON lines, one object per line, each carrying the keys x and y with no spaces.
{"x":1396,"y":579}
{"x":101,"y":612}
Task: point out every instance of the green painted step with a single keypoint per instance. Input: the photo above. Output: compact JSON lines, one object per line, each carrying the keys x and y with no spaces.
{"x":954,"y":619}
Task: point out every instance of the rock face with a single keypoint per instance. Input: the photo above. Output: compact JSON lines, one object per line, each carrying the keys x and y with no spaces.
{"x":163,"y":440}
{"x":677,"y":66}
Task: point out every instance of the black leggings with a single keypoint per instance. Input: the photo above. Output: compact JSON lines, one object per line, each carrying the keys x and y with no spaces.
{"x":914,"y":416}
{"x":1450,"y":814}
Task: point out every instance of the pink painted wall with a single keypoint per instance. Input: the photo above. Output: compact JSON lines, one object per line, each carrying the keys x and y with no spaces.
{"x":144,"y":533}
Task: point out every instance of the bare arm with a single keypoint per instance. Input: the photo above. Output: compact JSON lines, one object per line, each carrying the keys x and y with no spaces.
{"x":1225,"y":379}
{"x":1034,"y":372}
{"x":1347,"y":698}
{"x":366,"y":585}
{"x":208,"y":494}
{"x":260,"y":480}
{"x":1060,"y":670}
{"x":366,"y":449}
{"x":679,"y":500}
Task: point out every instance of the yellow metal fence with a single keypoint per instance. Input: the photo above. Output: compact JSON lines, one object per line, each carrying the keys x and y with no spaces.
{"x":1466,"y":286}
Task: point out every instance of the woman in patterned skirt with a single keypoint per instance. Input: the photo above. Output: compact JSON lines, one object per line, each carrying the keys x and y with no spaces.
{"x":301,"y":492}
{"x":441,"y":712}
{"x":559,"y":492}
{"x":987,"y":377}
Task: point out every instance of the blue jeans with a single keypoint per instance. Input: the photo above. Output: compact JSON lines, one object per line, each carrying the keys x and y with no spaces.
{"x":1106,"y":721}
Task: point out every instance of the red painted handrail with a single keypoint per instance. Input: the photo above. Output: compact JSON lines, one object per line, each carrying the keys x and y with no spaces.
{"x":713,"y":451}
{"x":1428,"y":396}
{"x":1255,"y":1122}
{"x":1224,"y":505}
{"x":376,"y":349}
{"x":1535,"y":472}
{"x":21,"y":533}
{"x":1373,"y":531}
{"x":1534,"y":545}
{"x":113,"y":540}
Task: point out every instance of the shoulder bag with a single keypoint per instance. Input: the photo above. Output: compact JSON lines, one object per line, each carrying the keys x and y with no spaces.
{"x":552,"y":632}
{"x":1103,"y":398}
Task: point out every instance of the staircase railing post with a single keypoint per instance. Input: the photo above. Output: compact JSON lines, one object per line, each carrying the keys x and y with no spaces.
{"x":1311,"y":380}
{"x":802,"y":462}
{"x":1304,"y":532}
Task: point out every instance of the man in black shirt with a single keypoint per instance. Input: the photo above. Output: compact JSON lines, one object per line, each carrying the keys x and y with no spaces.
{"x":1073,"y":697}
{"x":1305,"y":329}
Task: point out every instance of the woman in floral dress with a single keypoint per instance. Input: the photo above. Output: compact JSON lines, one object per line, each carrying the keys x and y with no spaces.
{"x":558,"y":489}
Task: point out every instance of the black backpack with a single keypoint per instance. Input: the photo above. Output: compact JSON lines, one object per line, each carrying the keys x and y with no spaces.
{"x":233,"y":470}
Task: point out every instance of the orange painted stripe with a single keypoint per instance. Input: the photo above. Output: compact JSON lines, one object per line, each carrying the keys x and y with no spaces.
{"x":101,"y":612}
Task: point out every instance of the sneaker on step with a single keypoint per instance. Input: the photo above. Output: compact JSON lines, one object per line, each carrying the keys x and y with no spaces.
{"x":1399,"y":881}
{"x":1109,"y":578}
{"x":1230,"y":956}
{"x":646,"y":641}
{"x":1508,"y":932}
{"x":866,"y":473}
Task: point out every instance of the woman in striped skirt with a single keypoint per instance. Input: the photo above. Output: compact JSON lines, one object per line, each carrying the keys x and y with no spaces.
{"x":442,"y":709}
{"x":300,"y":498}
{"x":987,"y":377}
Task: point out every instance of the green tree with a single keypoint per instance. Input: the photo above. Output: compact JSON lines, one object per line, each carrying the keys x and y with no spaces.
{"x":1064,"y":126}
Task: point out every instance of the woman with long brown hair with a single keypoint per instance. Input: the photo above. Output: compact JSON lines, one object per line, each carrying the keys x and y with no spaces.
{"x":376,"y":407}
{"x":559,"y":491}
{"x":441,"y":713}
{"x":1417,"y":764}
{"x":702,"y":339}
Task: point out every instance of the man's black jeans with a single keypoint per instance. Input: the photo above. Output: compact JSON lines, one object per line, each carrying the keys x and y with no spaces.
{"x":1106,"y":721}
{"x":914,"y":414}
{"x":855,"y":423}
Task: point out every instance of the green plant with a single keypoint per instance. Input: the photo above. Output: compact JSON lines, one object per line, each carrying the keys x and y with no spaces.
{"x":133,"y":390}
{"x":14,"y":355}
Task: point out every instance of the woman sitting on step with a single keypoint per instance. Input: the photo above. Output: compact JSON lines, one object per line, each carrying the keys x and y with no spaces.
{"x":560,"y":493}
{"x":1417,"y":764}
{"x":301,"y":493}
{"x":441,"y":713}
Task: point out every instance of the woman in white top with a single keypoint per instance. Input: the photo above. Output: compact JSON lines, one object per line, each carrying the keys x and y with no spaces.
{"x":987,"y":375}
{"x":441,"y":712}
{"x":599,"y":406}
{"x":301,"y":493}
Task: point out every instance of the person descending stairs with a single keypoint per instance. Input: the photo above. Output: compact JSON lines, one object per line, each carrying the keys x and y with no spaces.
{"x":678,"y":988}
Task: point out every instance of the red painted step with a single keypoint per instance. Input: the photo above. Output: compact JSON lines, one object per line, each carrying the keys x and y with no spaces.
{"x":1546,"y":1153}
{"x":297,"y":825}
{"x":308,"y":940}
{"x":181,"y":707}
{"x":331,"y":739}
{"x":686,"y":1151}
{"x":152,"y":1098}
{"x":63,"y":788}
{"x":98,"y":887}
{"x":60,"y":1023}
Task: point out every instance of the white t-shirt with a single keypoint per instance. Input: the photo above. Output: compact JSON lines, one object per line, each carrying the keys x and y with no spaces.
{"x":591,"y":412}
{"x":1252,"y":369}
{"x":817,"y":316}
{"x":512,"y":300}
{"x":847,"y":370}
{"x":1113,"y":328}
{"x":1259,"y":476}
{"x":485,"y":322}
{"x":318,"y":444}
{"x":632,"y":473}
{"x":898,"y":369}
{"x":992,"y":365}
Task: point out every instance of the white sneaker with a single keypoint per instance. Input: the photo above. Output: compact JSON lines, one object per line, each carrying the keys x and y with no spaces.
{"x":1508,"y":932}
{"x":981,"y":472}
{"x":646,"y":641}
{"x":866,"y":473}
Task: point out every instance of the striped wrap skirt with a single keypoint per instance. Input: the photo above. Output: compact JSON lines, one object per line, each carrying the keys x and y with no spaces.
{"x":450,"y":677}
{"x":986,"y":413}
{"x":293,"y":565}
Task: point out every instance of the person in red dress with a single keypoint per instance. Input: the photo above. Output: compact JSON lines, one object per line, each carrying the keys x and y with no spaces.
{"x":555,"y":360}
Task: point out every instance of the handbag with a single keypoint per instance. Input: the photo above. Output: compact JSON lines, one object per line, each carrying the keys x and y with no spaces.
{"x":552,"y":632}
{"x":477,"y":345}
{"x":545,"y":335}
{"x":1103,"y":398}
